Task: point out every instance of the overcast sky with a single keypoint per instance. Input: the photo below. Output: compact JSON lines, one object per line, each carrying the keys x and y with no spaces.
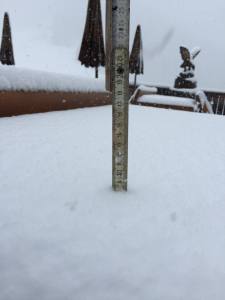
{"x":166,"y":25}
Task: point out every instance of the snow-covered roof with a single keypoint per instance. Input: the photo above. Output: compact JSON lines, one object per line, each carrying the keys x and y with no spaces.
{"x":20,"y":79}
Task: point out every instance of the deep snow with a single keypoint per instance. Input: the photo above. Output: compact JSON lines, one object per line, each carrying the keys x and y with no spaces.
{"x":65,"y":235}
{"x":15,"y":78}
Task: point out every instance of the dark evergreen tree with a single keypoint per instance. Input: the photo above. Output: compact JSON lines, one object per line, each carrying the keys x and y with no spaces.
{"x":92,"y":52}
{"x":136,"y":57}
{"x":6,"y":52}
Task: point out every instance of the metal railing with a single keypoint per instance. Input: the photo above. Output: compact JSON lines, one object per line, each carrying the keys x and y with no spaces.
{"x":217,"y":100}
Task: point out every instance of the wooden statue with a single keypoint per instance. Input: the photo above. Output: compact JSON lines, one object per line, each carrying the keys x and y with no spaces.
{"x":186,"y":79}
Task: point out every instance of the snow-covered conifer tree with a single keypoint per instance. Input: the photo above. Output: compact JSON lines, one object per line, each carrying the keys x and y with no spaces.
{"x":6,"y":52}
{"x":92,"y":52}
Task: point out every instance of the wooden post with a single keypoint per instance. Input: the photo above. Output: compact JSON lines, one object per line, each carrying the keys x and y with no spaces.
{"x":108,"y":46}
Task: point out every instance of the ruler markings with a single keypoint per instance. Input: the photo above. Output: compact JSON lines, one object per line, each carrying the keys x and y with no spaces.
{"x":120,"y":90}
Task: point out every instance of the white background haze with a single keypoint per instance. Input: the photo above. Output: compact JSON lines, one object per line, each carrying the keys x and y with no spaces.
{"x":47,"y":35}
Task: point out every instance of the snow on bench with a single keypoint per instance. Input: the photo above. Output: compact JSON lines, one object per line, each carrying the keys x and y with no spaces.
{"x":185,"y":99}
{"x":148,"y":89}
{"x":168,"y":101}
{"x":19,"y":79}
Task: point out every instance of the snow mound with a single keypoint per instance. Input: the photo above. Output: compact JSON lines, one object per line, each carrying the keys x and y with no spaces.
{"x":20,"y":79}
{"x":168,"y":100}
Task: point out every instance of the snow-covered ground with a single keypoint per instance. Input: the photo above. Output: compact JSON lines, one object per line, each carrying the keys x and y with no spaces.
{"x":65,"y":235}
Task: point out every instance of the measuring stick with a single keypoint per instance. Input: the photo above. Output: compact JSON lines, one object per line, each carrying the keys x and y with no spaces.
{"x":120,"y":91}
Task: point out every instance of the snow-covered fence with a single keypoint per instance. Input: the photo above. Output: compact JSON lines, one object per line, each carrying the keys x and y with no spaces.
{"x":148,"y":96}
{"x":215,"y":99}
{"x":26,"y":91}
{"x":14,"y":103}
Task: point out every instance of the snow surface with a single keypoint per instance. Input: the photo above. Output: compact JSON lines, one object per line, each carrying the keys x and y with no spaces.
{"x":149,"y":89}
{"x":167,"y":100}
{"x":15,"y":78}
{"x":65,"y":235}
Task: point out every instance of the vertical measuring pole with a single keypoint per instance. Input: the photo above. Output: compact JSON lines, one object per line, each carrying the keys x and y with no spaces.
{"x":120,"y":91}
{"x":108,"y":46}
